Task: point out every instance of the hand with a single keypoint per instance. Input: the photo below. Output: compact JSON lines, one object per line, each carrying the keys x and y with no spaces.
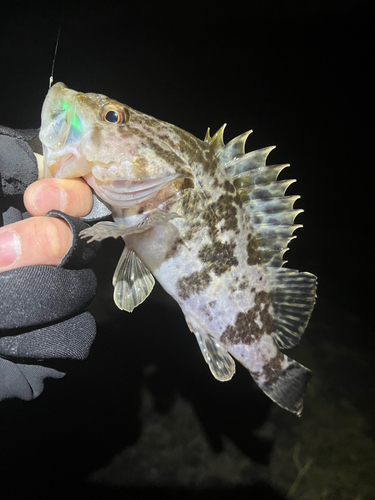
{"x":41,"y":318}
{"x":44,"y":240}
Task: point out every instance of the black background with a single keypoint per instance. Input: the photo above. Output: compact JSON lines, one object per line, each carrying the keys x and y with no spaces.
{"x":297,"y":73}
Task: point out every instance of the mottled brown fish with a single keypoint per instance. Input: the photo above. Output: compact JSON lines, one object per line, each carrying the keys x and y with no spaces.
{"x":210,"y":222}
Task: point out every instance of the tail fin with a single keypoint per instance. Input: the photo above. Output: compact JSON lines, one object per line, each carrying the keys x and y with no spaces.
{"x":288,"y":388}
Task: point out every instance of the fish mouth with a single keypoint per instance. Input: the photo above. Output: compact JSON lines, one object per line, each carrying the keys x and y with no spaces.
{"x":124,"y":193}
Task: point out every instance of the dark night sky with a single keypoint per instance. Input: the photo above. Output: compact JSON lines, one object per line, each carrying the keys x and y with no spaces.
{"x":297,"y":73}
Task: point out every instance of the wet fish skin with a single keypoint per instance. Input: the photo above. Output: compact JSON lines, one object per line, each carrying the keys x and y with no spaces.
{"x":210,"y":222}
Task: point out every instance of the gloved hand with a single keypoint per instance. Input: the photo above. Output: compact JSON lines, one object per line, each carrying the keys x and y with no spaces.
{"x":41,"y":318}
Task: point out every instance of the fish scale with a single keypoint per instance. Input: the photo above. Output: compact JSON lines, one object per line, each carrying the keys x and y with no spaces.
{"x":210,"y":222}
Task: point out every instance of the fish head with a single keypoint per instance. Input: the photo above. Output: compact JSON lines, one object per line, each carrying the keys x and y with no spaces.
{"x":127,"y":157}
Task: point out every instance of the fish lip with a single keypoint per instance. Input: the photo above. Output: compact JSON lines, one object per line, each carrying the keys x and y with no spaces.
{"x":124,"y":193}
{"x":127,"y":186}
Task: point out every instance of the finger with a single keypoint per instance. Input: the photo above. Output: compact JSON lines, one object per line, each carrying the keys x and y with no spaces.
{"x":34,"y":241}
{"x":71,"y":196}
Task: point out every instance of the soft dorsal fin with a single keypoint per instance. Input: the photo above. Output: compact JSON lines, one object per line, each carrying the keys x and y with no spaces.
{"x":293,"y":298}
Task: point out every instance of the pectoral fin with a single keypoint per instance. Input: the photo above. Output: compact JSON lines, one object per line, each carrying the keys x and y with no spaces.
{"x":132,"y":280}
{"x":106,"y":229}
{"x":219,"y":360}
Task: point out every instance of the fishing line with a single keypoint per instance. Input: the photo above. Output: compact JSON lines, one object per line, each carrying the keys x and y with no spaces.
{"x":54,"y":58}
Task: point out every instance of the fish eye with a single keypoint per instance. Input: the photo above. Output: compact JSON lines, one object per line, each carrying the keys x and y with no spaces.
{"x":114,"y":113}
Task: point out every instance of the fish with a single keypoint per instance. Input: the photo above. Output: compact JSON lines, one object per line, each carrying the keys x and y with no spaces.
{"x":209,"y":221}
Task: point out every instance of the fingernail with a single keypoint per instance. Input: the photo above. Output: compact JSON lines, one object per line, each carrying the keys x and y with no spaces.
{"x":10,"y":248}
{"x":49,"y":198}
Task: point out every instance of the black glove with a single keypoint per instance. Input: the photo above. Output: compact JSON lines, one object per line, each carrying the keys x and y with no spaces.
{"x":41,"y":318}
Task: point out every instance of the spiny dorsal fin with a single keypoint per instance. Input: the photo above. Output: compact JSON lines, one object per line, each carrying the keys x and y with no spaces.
{"x":248,"y":162}
{"x":263,"y":196}
{"x":234,"y":149}
{"x":227,"y":152}
{"x":217,"y":140}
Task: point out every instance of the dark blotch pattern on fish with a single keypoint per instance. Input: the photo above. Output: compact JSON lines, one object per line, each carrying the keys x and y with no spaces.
{"x":194,"y":283}
{"x":253,"y":254}
{"x":222,"y":209}
{"x":243,"y":285}
{"x":219,"y":257}
{"x":173,"y":248}
{"x":207,"y":309}
{"x":210,"y":165}
{"x":228,"y":186}
{"x":191,"y":206}
{"x":271,"y":370}
{"x":246,"y":325}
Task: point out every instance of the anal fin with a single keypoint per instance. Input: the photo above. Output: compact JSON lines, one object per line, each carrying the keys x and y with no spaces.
{"x":219,"y":360}
{"x":132,"y":280}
